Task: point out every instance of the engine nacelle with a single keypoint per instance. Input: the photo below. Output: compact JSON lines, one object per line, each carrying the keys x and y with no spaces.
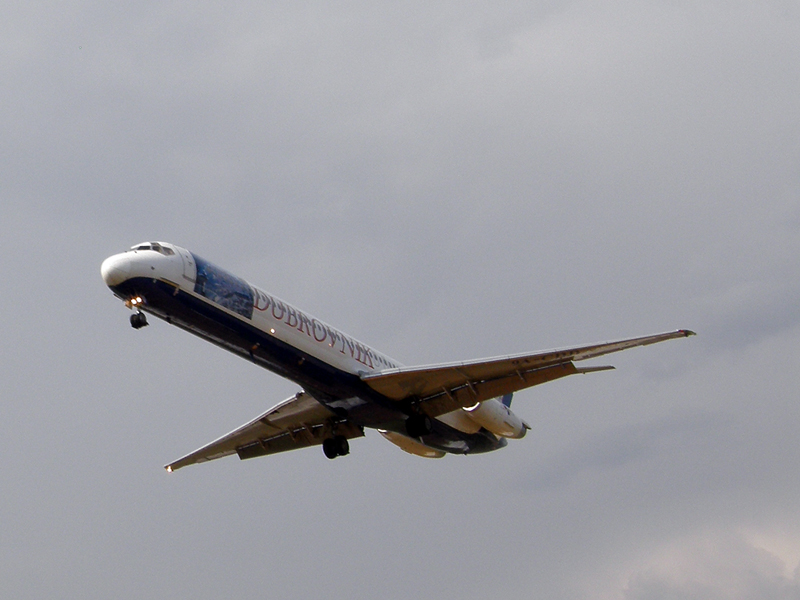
{"x":459,"y":419}
{"x":410,"y":445}
{"x":497,"y":418}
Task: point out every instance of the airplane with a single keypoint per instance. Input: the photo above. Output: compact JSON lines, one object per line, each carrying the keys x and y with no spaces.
{"x":346,"y":386}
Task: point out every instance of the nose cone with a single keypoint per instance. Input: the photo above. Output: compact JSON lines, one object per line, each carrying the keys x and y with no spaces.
{"x":115,"y":269}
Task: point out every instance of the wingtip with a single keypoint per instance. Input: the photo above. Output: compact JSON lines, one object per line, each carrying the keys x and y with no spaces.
{"x":686,"y":332}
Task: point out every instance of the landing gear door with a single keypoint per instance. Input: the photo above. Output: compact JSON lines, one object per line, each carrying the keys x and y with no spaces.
{"x":189,"y":266}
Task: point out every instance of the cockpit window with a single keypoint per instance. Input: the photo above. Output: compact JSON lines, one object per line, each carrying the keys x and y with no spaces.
{"x":154,"y":246}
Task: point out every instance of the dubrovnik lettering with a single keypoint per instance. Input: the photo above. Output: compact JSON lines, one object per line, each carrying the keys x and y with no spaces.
{"x":316,"y":330}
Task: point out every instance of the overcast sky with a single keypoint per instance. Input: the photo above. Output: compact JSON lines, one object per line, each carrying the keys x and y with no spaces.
{"x":443,"y":181}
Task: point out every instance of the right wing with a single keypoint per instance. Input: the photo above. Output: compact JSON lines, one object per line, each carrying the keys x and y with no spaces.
{"x":298,"y":422}
{"x":439,"y":389}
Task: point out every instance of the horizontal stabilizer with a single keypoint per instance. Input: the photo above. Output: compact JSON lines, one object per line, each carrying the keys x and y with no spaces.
{"x":594,"y":369}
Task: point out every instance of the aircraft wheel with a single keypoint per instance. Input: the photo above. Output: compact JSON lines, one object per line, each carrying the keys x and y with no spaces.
{"x":138,"y":320}
{"x":330,"y":448}
{"x":418,"y":425}
{"x":336,"y":446}
{"x":342,"y":445}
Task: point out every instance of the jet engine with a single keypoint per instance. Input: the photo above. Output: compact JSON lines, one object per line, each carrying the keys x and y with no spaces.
{"x":497,"y":418}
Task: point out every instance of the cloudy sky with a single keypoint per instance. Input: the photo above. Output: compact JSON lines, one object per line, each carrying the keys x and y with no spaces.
{"x":444,"y":181}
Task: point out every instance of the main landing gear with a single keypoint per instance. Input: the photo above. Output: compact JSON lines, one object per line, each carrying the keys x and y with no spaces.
{"x":418,"y":425}
{"x":336,"y":446}
{"x":138,"y":320}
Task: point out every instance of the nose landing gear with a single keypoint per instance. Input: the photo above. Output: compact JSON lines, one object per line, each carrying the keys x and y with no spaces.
{"x":138,"y":320}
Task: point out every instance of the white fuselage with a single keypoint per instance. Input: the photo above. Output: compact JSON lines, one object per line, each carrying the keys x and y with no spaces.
{"x":270,"y":314}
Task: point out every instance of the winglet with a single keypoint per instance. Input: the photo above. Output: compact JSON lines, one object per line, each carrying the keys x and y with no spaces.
{"x":686,"y":332}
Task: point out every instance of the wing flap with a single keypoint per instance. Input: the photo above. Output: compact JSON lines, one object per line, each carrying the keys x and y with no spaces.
{"x":298,"y":422}
{"x":448,"y":400}
{"x":295,"y":439}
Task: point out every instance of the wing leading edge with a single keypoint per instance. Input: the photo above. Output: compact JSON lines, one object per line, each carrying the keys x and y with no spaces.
{"x":298,"y":422}
{"x":440,"y":389}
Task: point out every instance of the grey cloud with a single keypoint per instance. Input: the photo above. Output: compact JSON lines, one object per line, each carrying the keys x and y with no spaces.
{"x":444,"y":181}
{"x":715,"y":566}
{"x":620,"y":446}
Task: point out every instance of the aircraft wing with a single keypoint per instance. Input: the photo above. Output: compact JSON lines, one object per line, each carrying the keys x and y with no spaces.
{"x":440,"y":389}
{"x":298,"y":422}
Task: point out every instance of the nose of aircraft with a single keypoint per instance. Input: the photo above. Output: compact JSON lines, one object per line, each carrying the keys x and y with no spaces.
{"x":115,"y":269}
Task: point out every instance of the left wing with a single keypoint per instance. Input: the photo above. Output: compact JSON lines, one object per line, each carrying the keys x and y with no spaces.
{"x":298,"y":422}
{"x":440,"y":389}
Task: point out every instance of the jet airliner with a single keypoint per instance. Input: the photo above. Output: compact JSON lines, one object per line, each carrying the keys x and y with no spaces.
{"x":346,"y":386}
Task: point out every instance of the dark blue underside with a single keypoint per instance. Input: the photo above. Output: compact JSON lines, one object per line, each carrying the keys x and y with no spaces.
{"x":336,"y":389}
